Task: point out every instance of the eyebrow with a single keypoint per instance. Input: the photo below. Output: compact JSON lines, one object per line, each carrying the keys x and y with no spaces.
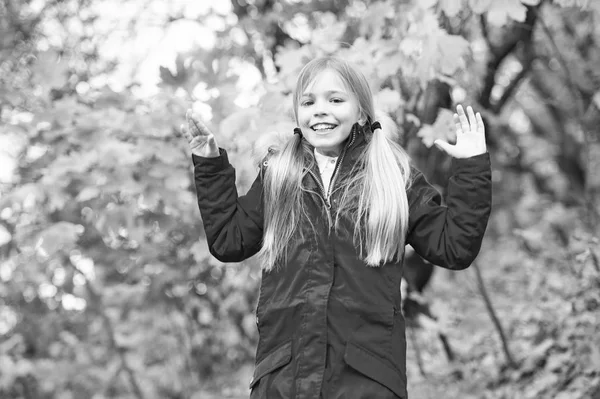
{"x":328,"y":92}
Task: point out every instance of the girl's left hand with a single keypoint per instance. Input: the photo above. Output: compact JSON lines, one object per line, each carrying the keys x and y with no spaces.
{"x":470,"y":135}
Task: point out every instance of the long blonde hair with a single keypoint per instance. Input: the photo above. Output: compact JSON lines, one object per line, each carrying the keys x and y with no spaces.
{"x":375,"y":195}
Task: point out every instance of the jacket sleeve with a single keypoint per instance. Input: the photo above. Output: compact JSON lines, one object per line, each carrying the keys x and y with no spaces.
{"x":233,"y":224}
{"x":450,"y":236}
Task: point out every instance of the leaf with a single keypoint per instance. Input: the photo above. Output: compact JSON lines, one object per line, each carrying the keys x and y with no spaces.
{"x":594,"y":357}
{"x":59,"y":236}
{"x":443,"y":129}
{"x":501,"y":11}
{"x":327,"y":38}
{"x":426,"y":3}
{"x":49,"y":70}
{"x":388,"y":100}
{"x":290,"y":60}
{"x":88,"y":193}
{"x":431,"y":51}
{"x":239,"y":123}
{"x":200,"y":250}
{"x":5,"y":236}
{"x":115,"y":152}
{"x":169,"y":154}
{"x":480,"y":6}
{"x":374,"y":19}
{"x":451,"y":7}
{"x":452,"y":49}
{"x":28,"y":195}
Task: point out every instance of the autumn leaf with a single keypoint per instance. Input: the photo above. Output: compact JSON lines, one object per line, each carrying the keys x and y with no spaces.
{"x":327,"y":37}
{"x":59,"y":236}
{"x":426,"y":3}
{"x":480,"y":6}
{"x":374,"y":19}
{"x":500,"y":12}
{"x":239,"y":123}
{"x":443,"y":129}
{"x":5,"y":236}
{"x":388,"y":100}
{"x":451,"y":7}
{"x":50,"y":70}
{"x":88,"y":193}
{"x":451,"y":52}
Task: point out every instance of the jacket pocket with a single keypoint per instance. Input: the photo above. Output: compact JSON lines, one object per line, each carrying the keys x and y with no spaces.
{"x":268,"y":376}
{"x":373,"y":367}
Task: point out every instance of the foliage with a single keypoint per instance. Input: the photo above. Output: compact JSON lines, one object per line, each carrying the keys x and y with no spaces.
{"x":107,"y":288}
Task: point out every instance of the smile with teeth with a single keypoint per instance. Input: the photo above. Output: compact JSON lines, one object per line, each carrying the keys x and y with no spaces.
{"x":321,"y":127}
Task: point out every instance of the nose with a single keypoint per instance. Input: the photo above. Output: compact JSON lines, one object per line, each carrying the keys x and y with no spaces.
{"x":320,"y":108}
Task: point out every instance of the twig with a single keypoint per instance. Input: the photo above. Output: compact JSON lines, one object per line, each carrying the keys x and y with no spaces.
{"x":492,"y":313}
{"x":111,"y":335}
{"x":564,"y":65}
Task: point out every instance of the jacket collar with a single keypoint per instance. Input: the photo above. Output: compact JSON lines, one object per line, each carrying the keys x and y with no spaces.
{"x":358,"y":138}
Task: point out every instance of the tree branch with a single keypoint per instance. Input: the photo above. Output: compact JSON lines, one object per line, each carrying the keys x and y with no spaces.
{"x":563,"y":63}
{"x":522,"y":34}
{"x":508,"y":92}
{"x":492,"y":313}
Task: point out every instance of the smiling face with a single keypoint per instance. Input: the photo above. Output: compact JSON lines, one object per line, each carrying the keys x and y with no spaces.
{"x":326,"y":112}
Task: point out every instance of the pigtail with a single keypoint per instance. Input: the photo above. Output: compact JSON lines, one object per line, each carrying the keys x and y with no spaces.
{"x":282,"y":200}
{"x":383,"y":202}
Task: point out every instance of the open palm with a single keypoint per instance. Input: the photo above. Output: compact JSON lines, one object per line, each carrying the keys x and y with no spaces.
{"x":202,"y":141}
{"x":470,"y":135}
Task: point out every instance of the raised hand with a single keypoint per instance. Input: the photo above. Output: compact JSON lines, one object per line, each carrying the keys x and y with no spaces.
{"x":470,"y":135}
{"x":202,"y":141}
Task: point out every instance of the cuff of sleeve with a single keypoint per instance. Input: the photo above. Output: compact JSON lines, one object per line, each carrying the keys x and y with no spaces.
{"x":476,"y":164}
{"x":210,"y":165}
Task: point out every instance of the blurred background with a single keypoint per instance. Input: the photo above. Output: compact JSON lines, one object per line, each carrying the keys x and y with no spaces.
{"x":107,"y":289}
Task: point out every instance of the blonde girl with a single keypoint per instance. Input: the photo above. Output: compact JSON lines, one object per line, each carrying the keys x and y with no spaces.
{"x":329,"y":216}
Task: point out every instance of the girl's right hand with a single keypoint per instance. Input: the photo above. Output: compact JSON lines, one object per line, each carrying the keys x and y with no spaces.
{"x":202,"y":141}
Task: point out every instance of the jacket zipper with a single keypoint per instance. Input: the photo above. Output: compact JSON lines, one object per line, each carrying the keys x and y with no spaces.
{"x":321,"y":188}
{"x":326,"y":195}
{"x":339,"y":163}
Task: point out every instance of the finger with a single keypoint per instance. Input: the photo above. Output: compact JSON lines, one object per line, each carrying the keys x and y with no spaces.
{"x":472,"y":119}
{"x":463,"y":118}
{"x":480,"y":125}
{"x":459,"y":129}
{"x":212,"y":144}
{"x":197,"y":127}
{"x":192,"y":127}
{"x":202,"y":126}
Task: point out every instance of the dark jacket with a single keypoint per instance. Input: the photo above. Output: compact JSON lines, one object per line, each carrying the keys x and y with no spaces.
{"x":330,"y":326}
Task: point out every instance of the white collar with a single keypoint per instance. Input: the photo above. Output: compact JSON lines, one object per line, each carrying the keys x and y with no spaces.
{"x":323,"y":161}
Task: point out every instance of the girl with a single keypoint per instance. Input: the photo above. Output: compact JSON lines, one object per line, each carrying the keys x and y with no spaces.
{"x":329,"y":215}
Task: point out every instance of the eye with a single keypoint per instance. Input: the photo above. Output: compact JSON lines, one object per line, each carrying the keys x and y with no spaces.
{"x":306,"y":103}
{"x":337,"y":100}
